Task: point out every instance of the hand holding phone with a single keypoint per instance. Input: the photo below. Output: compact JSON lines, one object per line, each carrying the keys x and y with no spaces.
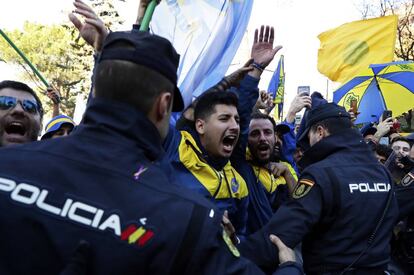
{"x":386,"y":114}
{"x":304,"y":90}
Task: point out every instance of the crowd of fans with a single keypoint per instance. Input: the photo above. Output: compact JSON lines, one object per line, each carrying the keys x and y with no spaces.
{"x":222,"y":190}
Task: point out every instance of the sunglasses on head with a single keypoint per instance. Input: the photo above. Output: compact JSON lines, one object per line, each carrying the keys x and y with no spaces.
{"x":8,"y":102}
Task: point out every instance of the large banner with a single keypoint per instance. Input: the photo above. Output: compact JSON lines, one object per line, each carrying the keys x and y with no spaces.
{"x":206,"y":33}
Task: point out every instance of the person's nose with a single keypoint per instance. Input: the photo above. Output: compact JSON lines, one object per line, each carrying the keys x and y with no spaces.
{"x":234,"y":124}
{"x":262,"y":136}
{"x":17,"y":110}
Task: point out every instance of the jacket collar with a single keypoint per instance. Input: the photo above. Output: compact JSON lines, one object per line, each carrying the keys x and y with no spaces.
{"x":216,"y":163}
{"x":119,"y":122}
{"x":348,"y":139}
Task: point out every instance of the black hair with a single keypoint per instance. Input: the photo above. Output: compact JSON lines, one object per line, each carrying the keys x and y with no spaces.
{"x":334,"y":125}
{"x":128,"y":82}
{"x":401,"y":139}
{"x":206,"y":103}
{"x":383,"y":150}
{"x":259,"y":115}
{"x":16,"y":85}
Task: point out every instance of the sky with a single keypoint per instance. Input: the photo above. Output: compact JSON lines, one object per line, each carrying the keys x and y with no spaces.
{"x":297,"y":24}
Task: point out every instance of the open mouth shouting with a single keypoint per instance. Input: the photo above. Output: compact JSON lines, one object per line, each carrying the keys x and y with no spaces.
{"x":263,"y":150}
{"x":229,"y":142}
{"x":15,"y":132}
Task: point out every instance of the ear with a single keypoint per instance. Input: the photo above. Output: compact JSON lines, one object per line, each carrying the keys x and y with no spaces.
{"x":200,"y":126}
{"x":322,"y":132}
{"x":163,"y":106}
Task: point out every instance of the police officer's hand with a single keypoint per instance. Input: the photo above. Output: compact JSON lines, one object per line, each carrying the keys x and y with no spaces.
{"x":229,"y":228}
{"x":285,"y":253}
{"x":93,"y":30}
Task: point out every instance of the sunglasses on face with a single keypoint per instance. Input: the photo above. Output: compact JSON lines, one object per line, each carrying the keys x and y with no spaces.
{"x":8,"y":102}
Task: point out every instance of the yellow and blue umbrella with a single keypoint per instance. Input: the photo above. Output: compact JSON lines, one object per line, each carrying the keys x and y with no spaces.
{"x":382,"y":87}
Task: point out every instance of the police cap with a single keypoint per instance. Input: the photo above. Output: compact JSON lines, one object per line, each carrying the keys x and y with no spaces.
{"x":151,"y":51}
{"x":322,"y":112}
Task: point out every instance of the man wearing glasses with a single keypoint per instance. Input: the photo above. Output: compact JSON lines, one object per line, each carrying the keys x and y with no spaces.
{"x":21,"y":113}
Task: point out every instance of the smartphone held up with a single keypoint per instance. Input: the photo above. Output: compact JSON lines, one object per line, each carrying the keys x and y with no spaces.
{"x":304,"y":90}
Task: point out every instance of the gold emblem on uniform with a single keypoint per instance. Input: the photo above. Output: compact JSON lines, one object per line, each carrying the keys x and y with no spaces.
{"x":302,"y":188}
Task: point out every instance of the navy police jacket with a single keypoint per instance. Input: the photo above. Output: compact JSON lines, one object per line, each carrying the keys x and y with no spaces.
{"x":105,"y":185}
{"x":336,"y":205}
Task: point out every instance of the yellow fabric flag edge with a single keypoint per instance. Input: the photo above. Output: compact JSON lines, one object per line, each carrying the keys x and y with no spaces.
{"x":325,"y":43}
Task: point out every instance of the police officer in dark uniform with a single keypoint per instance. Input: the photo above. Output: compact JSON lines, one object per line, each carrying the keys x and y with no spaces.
{"x":101,"y":200}
{"x":342,"y":209}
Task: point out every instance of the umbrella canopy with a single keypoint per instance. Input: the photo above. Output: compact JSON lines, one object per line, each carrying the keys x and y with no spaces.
{"x":382,"y":87}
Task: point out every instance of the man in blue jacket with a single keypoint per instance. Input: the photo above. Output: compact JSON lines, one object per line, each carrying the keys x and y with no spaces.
{"x":201,"y":154}
{"x":268,"y":181}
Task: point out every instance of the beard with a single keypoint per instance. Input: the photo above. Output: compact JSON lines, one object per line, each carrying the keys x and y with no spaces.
{"x":259,"y":161}
{"x":276,"y":155}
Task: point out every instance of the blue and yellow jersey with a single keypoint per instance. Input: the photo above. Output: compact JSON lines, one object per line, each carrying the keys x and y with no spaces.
{"x":266,"y":191}
{"x":267,"y":179}
{"x":223,"y":184}
{"x":225,"y":188}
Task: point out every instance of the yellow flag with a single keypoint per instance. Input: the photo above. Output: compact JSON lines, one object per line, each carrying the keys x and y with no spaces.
{"x":352,"y":47}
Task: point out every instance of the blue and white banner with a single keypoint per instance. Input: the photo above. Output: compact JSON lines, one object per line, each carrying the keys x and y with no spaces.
{"x":206,"y":33}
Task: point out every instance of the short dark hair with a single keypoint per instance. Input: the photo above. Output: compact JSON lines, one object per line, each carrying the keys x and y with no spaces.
{"x":383,"y":150}
{"x":16,"y":85}
{"x":128,"y":82}
{"x":206,"y":103}
{"x":334,"y":125}
{"x":260,"y":115}
{"x":400,"y":139}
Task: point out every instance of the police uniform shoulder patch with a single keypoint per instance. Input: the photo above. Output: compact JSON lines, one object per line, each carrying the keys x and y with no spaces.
{"x":302,"y":188}
{"x":233,"y":249}
{"x":408,"y":180}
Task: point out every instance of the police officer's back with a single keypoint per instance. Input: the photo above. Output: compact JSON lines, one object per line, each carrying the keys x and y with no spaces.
{"x":337,"y":205}
{"x":103,"y":191}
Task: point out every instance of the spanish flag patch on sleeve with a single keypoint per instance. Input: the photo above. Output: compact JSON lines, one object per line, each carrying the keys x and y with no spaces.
{"x":302,"y":188}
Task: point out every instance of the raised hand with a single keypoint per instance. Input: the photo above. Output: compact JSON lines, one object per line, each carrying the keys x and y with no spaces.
{"x":264,"y":101}
{"x":299,"y":102}
{"x":383,"y":128}
{"x":143,"y":4}
{"x":262,"y":50}
{"x":93,"y":30}
{"x":53,"y":94}
{"x":234,"y":78}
